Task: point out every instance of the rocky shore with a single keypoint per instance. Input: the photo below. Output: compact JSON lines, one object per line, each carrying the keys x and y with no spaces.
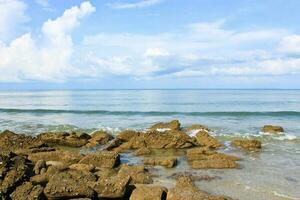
{"x":81,"y":166}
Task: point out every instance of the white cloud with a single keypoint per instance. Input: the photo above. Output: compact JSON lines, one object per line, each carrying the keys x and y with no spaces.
{"x":290,"y":44}
{"x":45,"y":58}
{"x":12,"y":16}
{"x":139,"y":4}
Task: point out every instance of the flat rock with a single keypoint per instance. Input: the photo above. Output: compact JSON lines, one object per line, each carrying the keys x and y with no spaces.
{"x":142,"y":151}
{"x":165,"y":162}
{"x":149,"y":192}
{"x":137,"y":173}
{"x":102,"y":159}
{"x":186,"y":190}
{"x":82,"y":167}
{"x":272,"y":129}
{"x":65,"y":139}
{"x":59,"y":155}
{"x":249,"y":145}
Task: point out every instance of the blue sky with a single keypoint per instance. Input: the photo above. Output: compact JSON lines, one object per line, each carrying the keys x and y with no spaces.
{"x":54,"y":44}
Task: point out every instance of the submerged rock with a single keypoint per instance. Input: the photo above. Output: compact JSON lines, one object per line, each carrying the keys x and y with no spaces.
{"x":149,"y":192}
{"x":163,"y":126}
{"x":204,"y":158}
{"x":272,"y":129}
{"x":102,"y":159}
{"x":249,"y":145}
{"x":186,"y":190}
{"x":165,"y":162}
{"x":204,"y":139}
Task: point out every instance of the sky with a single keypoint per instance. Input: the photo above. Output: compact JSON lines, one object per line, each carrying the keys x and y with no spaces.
{"x":149,"y":44}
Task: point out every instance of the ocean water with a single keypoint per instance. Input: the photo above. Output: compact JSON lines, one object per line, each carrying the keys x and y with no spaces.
{"x":273,"y":173}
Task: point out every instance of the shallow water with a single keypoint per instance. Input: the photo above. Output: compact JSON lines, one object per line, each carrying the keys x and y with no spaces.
{"x":271,"y":174}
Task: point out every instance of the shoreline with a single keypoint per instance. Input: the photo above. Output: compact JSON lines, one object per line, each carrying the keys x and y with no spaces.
{"x":155,"y":159}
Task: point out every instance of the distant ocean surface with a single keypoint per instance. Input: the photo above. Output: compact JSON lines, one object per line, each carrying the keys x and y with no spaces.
{"x":272,"y":173}
{"x":225,"y":111}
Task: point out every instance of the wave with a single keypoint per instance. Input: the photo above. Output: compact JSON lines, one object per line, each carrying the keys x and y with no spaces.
{"x":153,"y":113}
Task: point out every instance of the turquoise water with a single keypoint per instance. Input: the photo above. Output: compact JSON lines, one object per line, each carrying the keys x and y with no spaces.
{"x":270,"y":174}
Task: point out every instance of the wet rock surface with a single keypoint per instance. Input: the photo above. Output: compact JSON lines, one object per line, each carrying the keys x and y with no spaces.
{"x":81,"y":166}
{"x":272,"y":129}
{"x":249,"y":145}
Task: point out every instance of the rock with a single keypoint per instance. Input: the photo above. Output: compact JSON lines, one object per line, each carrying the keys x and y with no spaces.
{"x":104,"y":159}
{"x":149,"y":192}
{"x":28,"y":191}
{"x":70,"y":184}
{"x":112,"y":187}
{"x":40,"y":164}
{"x":10,"y":141}
{"x":65,"y":139}
{"x":272,"y":129}
{"x":249,"y":145}
{"x":126,"y":135}
{"x":162,"y":140}
{"x":40,"y":179}
{"x":14,"y":170}
{"x":137,"y":173}
{"x":196,"y":128}
{"x":82,"y":167}
{"x":204,"y":139}
{"x":59,"y":155}
{"x":166,"y":162}
{"x":99,"y":137}
{"x":163,"y":126}
{"x":204,"y":158}
{"x":58,"y":165}
{"x":142,"y":151}
{"x":186,"y":190}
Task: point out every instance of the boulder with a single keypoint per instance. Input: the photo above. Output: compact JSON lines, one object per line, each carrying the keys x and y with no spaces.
{"x":112,"y":187}
{"x":249,"y":145}
{"x":13,"y":169}
{"x":204,"y":158}
{"x":149,"y":192}
{"x":164,"y":126}
{"x":137,"y":173}
{"x":204,"y":139}
{"x":59,"y":155}
{"x":28,"y":191}
{"x":40,"y":164}
{"x":165,"y":162}
{"x":195,"y":128}
{"x":272,"y":129}
{"x":102,"y":159}
{"x":99,"y":138}
{"x":142,"y":151}
{"x":65,"y":139}
{"x":186,"y":190}
{"x":70,"y":184}
{"x":126,"y":135}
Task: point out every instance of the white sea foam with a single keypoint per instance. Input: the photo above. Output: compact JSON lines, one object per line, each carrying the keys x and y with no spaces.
{"x":285,"y":196}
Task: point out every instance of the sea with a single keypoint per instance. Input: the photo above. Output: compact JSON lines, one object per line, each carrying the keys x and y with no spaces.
{"x":272,"y":174}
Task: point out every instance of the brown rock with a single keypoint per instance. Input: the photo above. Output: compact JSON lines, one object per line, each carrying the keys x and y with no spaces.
{"x":197,"y":127}
{"x":82,"y":167}
{"x":65,"y":139}
{"x":249,"y":145}
{"x":204,"y":139}
{"x":40,"y":164}
{"x":99,"y":138}
{"x":63,"y":156}
{"x":186,"y":190}
{"x":142,"y":151}
{"x":166,"y":162}
{"x":149,"y":192}
{"x":126,"y":135}
{"x":172,"y":125}
{"x":272,"y":129}
{"x":137,"y":173}
{"x":213,"y":164}
{"x":112,"y":187}
{"x":104,"y":159}
{"x":70,"y":184}
{"x":28,"y":191}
